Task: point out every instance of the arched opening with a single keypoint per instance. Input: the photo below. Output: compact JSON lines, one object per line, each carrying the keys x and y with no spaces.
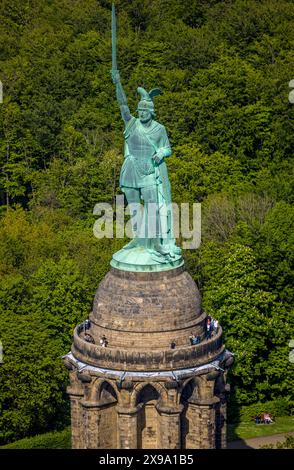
{"x":107,"y":394}
{"x":148,"y":418}
{"x":187,"y":414}
{"x":107,"y":416}
{"x":187,"y":391}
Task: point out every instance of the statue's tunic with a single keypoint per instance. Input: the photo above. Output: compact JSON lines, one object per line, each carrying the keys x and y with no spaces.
{"x":141,"y":143}
{"x":140,"y":171}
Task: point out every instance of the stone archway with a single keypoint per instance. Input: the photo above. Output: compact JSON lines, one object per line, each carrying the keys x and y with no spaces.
{"x":186,"y":417}
{"x":148,"y":418}
{"x":107,"y":415}
{"x":106,"y":393}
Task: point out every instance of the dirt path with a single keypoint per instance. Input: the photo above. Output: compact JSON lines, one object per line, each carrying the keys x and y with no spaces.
{"x":257,"y":442}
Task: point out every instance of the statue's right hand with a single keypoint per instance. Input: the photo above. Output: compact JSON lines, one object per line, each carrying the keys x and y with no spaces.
{"x":115,"y":76}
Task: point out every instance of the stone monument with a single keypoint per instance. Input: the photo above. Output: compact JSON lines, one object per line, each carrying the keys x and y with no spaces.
{"x":143,"y":371}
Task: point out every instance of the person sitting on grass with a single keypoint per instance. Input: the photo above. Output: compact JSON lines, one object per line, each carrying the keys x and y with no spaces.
{"x":267,"y":418}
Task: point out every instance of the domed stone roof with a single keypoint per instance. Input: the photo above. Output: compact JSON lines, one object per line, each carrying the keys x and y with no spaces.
{"x":141,"y":314}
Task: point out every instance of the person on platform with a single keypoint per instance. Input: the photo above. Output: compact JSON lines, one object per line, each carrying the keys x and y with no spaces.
{"x":173,"y":344}
{"x":208,"y":328}
{"x":89,"y":338}
{"x":103,"y":341}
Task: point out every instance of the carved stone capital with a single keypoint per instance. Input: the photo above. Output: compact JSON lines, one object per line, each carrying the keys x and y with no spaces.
{"x":126,"y":410}
{"x":84,"y":377}
{"x":170,"y":409}
{"x":204,"y":401}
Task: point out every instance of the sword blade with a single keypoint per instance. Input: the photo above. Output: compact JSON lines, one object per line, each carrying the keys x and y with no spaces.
{"x":113,"y":38}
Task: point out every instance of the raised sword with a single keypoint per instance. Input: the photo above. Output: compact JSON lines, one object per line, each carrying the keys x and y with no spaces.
{"x":113,"y":41}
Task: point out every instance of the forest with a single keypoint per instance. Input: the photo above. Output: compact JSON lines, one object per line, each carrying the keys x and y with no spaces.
{"x":224,"y":68}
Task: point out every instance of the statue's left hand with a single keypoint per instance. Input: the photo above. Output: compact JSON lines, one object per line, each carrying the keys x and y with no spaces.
{"x":157,"y":158}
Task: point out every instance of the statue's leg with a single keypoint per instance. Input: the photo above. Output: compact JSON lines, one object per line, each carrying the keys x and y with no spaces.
{"x":134,"y":205}
{"x":152,"y":220}
{"x":156,"y":223}
{"x":168,"y":242}
{"x":150,"y":198}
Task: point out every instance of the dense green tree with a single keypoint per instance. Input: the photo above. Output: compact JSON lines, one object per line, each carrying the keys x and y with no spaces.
{"x":257,"y":327}
{"x":50,"y":268}
{"x":224,"y":68}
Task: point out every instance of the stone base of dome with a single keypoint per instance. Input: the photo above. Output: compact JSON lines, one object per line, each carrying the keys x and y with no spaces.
{"x":140,"y":259}
{"x":147,"y":360}
{"x":120,"y":410}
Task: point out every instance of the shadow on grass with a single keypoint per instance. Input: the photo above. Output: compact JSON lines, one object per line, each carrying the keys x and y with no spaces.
{"x":234,"y":420}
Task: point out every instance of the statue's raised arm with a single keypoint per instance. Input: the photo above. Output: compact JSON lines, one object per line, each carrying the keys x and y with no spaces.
{"x":121,"y":96}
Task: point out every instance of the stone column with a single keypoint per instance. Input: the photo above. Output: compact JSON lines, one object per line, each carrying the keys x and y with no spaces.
{"x":202,"y":426}
{"x":76,"y":394}
{"x":221,"y":412}
{"x":127,"y":427}
{"x":223,"y":422}
{"x":207,"y":423}
{"x":192,"y":439}
{"x":91,"y":413}
{"x":169,"y":426}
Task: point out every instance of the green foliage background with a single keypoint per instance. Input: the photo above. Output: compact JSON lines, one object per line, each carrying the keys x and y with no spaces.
{"x":224,"y":67}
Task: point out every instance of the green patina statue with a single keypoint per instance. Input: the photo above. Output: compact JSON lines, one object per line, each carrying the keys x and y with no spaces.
{"x":144,"y":178}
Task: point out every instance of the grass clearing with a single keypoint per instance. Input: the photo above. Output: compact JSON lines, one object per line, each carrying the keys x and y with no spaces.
{"x":242,"y":430}
{"x":49,"y":440}
{"x":248,"y":429}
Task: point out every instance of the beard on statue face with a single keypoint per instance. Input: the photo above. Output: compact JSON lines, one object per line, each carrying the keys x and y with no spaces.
{"x":144,"y":115}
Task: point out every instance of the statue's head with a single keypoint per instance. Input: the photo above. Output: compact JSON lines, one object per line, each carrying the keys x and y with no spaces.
{"x":146,"y":106}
